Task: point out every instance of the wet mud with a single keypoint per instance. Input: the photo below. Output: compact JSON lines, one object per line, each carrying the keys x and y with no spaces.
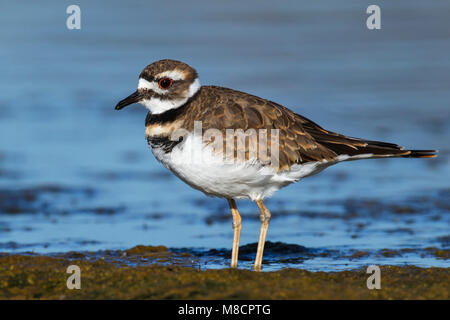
{"x":158,"y":273}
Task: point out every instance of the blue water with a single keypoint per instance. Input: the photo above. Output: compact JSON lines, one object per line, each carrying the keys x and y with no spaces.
{"x":58,"y":127}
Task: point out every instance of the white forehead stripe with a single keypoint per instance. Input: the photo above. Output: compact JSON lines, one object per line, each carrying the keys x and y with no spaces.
{"x":145,"y":84}
{"x":172,"y":74}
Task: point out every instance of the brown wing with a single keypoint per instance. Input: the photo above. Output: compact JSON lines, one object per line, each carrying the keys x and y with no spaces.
{"x":222,"y":109}
{"x":300,"y":139}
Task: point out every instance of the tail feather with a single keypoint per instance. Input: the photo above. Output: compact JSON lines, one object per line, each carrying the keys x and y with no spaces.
{"x":377,"y":149}
{"x":421,"y":154}
{"x":353,"y":147}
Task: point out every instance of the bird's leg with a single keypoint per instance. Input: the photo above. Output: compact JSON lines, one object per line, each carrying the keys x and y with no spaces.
{"x":264,"y":217}
{"x":237,"y":232}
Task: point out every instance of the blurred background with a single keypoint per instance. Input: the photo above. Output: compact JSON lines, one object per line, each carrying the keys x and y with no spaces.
{"x":77,"y":175}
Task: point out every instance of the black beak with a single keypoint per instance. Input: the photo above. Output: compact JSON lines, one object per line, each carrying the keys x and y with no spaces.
{"x":132,"y":98}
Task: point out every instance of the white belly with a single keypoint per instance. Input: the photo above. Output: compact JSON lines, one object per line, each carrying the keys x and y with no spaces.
{"x":201,"y":168}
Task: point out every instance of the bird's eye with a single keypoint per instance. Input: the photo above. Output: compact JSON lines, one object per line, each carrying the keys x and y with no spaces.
{"x":165,"y":83}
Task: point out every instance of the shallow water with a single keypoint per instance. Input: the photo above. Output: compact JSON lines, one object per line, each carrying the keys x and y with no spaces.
{"x":75,"y":175}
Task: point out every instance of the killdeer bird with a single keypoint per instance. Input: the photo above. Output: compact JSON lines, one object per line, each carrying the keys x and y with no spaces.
{"x":171,"y":91}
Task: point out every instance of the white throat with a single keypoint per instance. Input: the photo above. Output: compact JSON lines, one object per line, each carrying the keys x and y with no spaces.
{"x":156,"y":105}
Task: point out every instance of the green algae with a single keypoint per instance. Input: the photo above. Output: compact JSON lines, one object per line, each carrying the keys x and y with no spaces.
{"x":145,"y":250}
{"x":390,"y":253}
{"x":359,"y":254}
{"x":440,"y":253}
{"x":44,"y":277}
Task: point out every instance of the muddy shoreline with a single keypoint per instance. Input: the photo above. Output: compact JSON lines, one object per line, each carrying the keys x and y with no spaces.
{"x":157,"y":273}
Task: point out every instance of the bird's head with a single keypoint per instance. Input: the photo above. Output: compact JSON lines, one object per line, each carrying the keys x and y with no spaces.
{"x":164,"y":85}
